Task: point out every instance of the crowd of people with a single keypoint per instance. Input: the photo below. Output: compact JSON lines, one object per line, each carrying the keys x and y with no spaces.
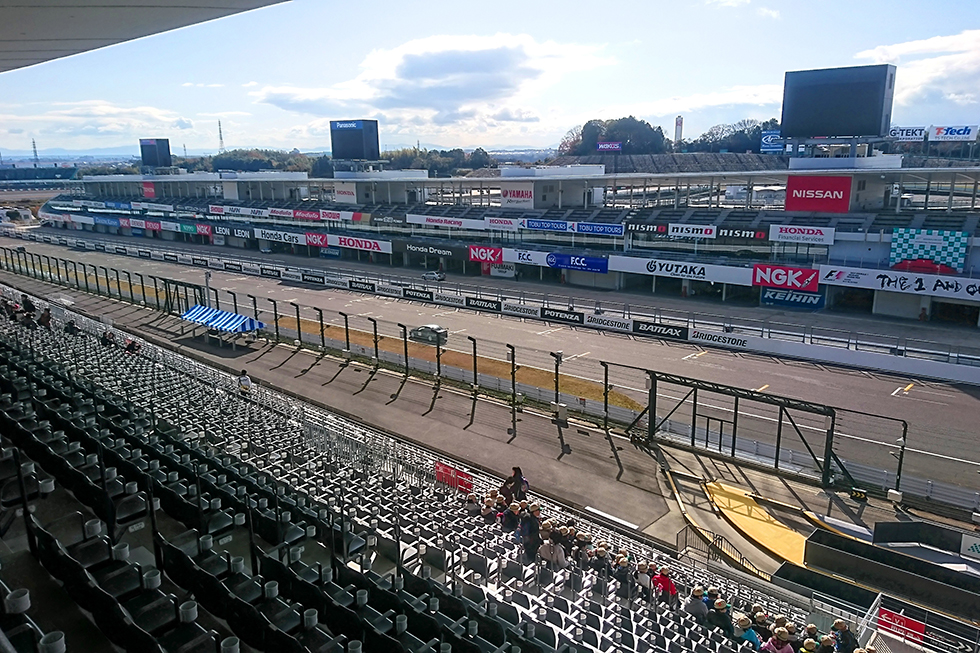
{"x":25,"y":313}
{"x":560,"y":545}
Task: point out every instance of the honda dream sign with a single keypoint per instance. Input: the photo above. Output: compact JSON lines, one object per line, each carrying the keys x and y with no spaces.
{"x":817,"y":193}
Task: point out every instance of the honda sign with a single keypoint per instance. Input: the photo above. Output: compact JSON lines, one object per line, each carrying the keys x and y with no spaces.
{"x":781,"y":276}
{"x":813,"y":193}
{"x":810,"y":235}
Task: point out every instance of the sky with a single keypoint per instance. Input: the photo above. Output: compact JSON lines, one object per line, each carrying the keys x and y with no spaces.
{"x":493,"y":75}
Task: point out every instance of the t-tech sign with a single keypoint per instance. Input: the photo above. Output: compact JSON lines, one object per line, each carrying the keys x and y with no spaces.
{"x":812,"y":193}
{"x":780,"y":276}
{"x":486,"y":254}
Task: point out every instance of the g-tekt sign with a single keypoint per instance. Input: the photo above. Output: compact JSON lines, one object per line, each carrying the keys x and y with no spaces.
{"x":813,"y":193}
{"x":781,"y":276}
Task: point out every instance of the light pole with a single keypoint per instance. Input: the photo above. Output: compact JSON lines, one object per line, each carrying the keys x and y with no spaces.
{"x":108,"y":284}
{"x":346,"y":331}
{"x":299,"y":326}
{"x":323,"y":341}
{"x":234,"y":300}
{"x":207,"y":290}
{"x":512,"y":355}
{"x":156,"y":290}
{"x":476,"y":383}
{"x":78,"y":284}
{"x":129,"y":280}
{"x":275,"y":314}
{"x":902,"y":442}
{"x":405,"y":343}
{"x":255,"y":306}
{"x":374,"y":325}
{"x":142,"y":287}
{"x":438,"y":361}
{"x":557,"y":356}
{"x":118,"y":284}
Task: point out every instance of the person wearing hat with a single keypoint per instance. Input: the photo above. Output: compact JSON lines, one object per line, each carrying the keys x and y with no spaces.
{"x":794,"y":639}
{"x":779,"y":642}
{"x":487,"y":512}
{"x":582,"y":551}
{"x":530,"y":529}
{"x":761,"y":626}
{"x":600,"y":561}
{"x":826,"y":645}
{"x":809,"y":645}
{"x":515,"y":486}
{"x":510,"y":519}
{"x":553,"y":553}
{"x":744,"y":632}
{"x":718,"y":617}
{"x":665,"y":587}
{"x":624,"y":575}
{"x":846,"y":641}
{"x":695,"y":605}
{"x":811,"y":632}
{"x":711,"y":596}
{"x":643,"y":580}
{"x":471,"y":505}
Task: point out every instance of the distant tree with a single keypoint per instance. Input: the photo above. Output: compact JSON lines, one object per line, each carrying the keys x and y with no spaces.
{"x":637,"y":137}
{"x":570,"y":141}
{"x":480,"y":159}
{"x":322,"y":167}
{"x":742,"y":136}
{"x":255,"y":160}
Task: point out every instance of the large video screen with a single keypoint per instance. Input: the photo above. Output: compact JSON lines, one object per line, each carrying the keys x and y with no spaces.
{"x":854,"y":101}
{"x":355,"y":140}
{"x":155,"y":152}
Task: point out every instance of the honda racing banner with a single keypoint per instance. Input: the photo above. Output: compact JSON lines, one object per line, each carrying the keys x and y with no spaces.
{"x":484,"y":254}
{"x":932,"y":285}
{"x":439,"y":221}
{"x":781,"y":233}
{"x":817,"y":193}
{"x":789,"y":278}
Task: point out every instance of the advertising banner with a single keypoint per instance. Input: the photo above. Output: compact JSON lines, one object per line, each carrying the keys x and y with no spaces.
{"x":609,"y":322}
{"x":259,"y":213}
{"x":970,"y":546}
{"x":313,"y":277}
{"x":153,"y":225}
{"x":233,"y":266}
{"x":82,"y":219}
{"x":692,"y":230}
{"x":453,"y":477}
{"x":431,"y":250}
{"x":583,"y":263}
{"x":200,"y":261}
{"x":149,"y":190}
{"x":813,"y":193}
{"x":414,"y":293}
{"x":811,"y":301}
{"x":898,"y":624}
{"x":203,"y":229}
{"x":291,"y":275}
{"x":484,"y":254}
{"x":772,"y":143}
{"x":451,"y":300}
{"x":492,"y":305}
{"x":665,"y":331}
{"x":187,"y":229}
{"x":124,"y":222}
{"x":106,"y":222}
{"x":781,"y":233}
{"x":345,"y":216}
{"x":516,"y":195}
{"x":520,"y":310}
{"x":365,"y":244}
{"x":162,"y":208}
{"x":222,"y":231}
{"x":789,"y":278}
{"x":345,"y":192}
{"x":439,"y":221}
{"x":306,"y":215}
{"x":599,"y":229}
{"x":742,"y":234}
{"x":608,"y":147}
{"x":682,"y":270}
{"x":930,"y":248}
{"x":965,"y":133}
{"x":280,"y":213}
{"x":548,"y":225}
{"x":363,"y":286}
{"x":235,"y":210}
{"x":908,"y":134}
{"x":502,"y":224}
{"x":506,"y":270}
{"x":932,"y":285}
{"x":642,"y":227}
{"x":241,"y":233}
{"x":280,"y":236}
{"x":559,"y":315}
{"x":316,"y":239}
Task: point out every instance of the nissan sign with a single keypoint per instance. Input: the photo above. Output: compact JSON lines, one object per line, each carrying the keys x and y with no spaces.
{"x":810,"y":235}
{"x":609,"y":147}
{"x":817,"y":193}
{"x":789,"y":278}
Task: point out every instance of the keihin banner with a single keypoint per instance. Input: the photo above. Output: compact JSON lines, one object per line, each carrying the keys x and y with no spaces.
{"x":817,"y":193}
{"x":782,"y":233}
{"x":908,"y":134}
{"x":516,"y":195}
{"x":953,"y":133}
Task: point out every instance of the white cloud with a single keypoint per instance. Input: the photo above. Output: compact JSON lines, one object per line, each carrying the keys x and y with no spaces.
{"x":202,"y":85}
{"x":933,"y":70}
{"x":224,"y":114}
{"x":758,"y":95}
{"x":441,"y":81}
{"x":728,"y":3}
{"x":248,"y":84}
{"x":766,"y":12}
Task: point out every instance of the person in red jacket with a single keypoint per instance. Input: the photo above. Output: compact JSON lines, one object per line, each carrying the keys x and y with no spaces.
{"x":665,"y":587}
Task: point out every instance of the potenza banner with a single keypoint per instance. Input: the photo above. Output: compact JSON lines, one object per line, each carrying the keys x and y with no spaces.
{"x":781,"y":233}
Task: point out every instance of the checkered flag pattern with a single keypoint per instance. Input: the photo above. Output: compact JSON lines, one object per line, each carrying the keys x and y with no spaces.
{"x":946,"y":247}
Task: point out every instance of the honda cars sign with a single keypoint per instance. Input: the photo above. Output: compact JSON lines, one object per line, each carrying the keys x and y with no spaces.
{"x":813,"y":193}
{"x":782,"y":233}
{"x":781,"y":276}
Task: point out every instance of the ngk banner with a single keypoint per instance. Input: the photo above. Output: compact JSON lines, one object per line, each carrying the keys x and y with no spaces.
{"x":781,"y":276}
{"x":316,"y":240}
{"x":810,"y":235}
{"x":484,"y":254}
{"x":813,"y":193}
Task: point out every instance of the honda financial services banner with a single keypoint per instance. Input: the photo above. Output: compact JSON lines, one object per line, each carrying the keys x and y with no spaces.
{"x":822,"y":194}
